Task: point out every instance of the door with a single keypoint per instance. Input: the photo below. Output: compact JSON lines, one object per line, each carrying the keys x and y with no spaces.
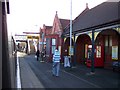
{"x":108,"y":51}
{"x":98,"y":56}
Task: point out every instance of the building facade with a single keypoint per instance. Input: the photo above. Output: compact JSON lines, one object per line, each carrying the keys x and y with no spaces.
{"x":52,"y":36}
{"x":96,"y":36}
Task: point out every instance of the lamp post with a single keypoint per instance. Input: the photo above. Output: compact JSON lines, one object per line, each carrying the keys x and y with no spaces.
{"x":70,"y":29}
{"x":93,"y":50}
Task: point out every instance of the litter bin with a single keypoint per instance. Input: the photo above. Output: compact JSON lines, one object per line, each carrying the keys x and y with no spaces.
{"x":66,"y":61}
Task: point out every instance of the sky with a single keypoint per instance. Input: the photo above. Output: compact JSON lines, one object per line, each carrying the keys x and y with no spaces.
{"x":30,"y":15}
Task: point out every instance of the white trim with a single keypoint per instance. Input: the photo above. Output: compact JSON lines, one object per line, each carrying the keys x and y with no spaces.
{"x":96,"y":30}
{"x":109,"y":27}
{"x":18,"y":74}
{"x":81,"y":79}
{"x":84,"y":33}
{"x":100,"y":29}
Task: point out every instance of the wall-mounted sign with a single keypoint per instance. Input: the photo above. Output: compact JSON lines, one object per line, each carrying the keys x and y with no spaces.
{"x":20,"y":37}
{"x":72,"y":50}
{"x":33,"y":37}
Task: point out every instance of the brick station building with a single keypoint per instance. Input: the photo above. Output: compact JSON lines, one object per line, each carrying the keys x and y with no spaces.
{"x":95,"y":36}
{"x":52,"y":36}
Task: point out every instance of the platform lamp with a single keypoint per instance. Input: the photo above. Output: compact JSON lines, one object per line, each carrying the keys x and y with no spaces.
{"x":70,"y":30}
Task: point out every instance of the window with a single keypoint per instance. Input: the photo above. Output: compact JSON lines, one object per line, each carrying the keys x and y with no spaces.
{"x":106,"y":41}
{"x":53,"y":45}
{"x":98,"y":51}
{"x":53,"y":41}
{"x":110,"y":40}
{"x":53,"y":49}
{"x":115,"y":52}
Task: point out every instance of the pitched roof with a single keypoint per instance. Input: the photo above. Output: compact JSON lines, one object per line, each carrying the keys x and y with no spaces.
{"x":83,"y":12}
{"x":64,"y":22}
{"x":48,"y":27}
{"x":101,"y":14}
{"x":73,"y":21}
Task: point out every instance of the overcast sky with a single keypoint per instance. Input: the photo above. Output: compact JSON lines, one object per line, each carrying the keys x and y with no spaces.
{"x":30,"y":15}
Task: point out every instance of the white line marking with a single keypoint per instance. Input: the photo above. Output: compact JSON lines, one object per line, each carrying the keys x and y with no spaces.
{"x":18,"y":74}
{"x":81,"y":79}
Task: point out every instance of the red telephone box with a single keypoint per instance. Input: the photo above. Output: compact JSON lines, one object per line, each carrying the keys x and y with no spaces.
{"x":98,"y":56}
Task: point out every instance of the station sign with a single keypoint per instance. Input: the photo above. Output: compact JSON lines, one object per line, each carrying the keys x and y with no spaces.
{"x":21,"y":37}
{"x":32,"y":37}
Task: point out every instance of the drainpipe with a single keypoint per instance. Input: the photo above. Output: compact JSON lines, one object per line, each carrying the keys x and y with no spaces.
{"x":93,"y":50}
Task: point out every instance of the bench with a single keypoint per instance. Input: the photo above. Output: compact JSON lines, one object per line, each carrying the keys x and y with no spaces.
{"x":116,"y":66}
